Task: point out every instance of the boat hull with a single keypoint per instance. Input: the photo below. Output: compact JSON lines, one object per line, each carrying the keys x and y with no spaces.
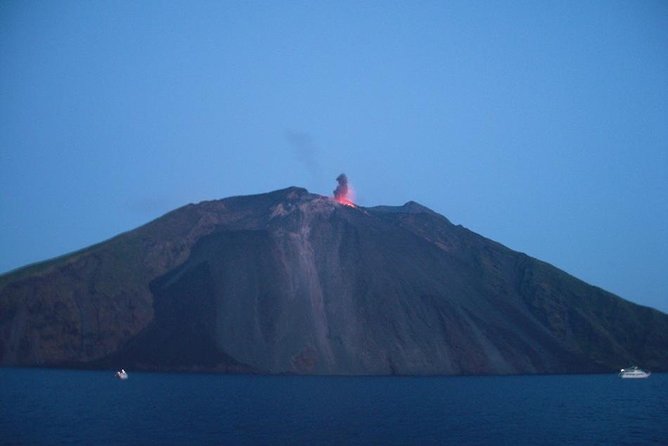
{"x":633,"y":373}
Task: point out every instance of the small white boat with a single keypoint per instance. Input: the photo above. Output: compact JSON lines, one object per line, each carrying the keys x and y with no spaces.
{"x":122,"y":374}
{"x":633,"y":372}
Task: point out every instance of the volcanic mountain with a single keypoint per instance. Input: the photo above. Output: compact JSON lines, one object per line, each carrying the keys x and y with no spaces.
{"x":294,"y":282}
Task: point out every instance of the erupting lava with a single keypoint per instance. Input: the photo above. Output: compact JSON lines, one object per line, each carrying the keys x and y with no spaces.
{"x":343,"y":193}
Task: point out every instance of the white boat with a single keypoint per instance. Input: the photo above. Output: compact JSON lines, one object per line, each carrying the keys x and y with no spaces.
{"x":122,"y":374}
{"x":633,"y":372}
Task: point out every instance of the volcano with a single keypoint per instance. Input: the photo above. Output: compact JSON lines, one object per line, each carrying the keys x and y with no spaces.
{"x":294,"y":282}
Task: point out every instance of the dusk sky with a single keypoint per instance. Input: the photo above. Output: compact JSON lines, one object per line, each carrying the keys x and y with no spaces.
{"x":541,"y":125}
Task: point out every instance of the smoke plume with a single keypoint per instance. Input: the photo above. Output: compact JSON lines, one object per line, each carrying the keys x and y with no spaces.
{"x":305,"y":150}
{"x":341,"y":191}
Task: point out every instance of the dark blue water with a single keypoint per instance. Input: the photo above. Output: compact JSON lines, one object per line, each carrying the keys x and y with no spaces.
{"x":83,"y":408}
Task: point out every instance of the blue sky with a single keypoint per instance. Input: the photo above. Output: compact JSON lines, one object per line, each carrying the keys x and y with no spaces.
{"x":541,"y":125}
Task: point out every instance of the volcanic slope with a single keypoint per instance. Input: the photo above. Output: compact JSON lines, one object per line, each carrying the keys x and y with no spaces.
{"x":293,"y":282}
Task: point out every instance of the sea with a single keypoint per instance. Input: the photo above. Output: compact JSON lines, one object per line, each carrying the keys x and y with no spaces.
{"x":73,"y":407}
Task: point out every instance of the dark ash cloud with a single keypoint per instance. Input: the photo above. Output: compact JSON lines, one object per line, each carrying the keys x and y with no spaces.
{"x":341,"y":190}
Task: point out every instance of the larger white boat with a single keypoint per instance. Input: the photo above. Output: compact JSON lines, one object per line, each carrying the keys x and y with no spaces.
{"x":633,"y":372}
{"x":122,"y":374}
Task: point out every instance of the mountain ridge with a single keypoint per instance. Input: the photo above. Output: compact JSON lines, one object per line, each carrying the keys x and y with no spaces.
{"x":294,"y":282}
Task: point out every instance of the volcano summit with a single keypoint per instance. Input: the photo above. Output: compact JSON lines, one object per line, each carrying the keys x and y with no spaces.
{"x":294,"y":282}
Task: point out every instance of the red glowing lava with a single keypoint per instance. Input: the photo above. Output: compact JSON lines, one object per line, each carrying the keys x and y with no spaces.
{"x":345,"y":200}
